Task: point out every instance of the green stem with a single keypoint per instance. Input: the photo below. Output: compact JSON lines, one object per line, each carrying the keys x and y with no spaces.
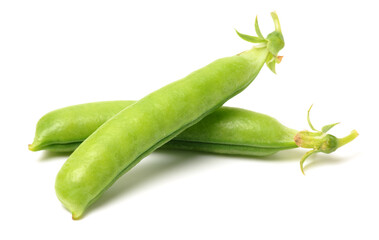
{"x":274,"y":42}
{"x":347,"y":139}
{"x":276,"y":22}
{"x":320,"y":141}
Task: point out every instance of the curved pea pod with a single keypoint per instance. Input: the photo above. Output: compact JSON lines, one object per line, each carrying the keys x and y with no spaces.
{"x":239,"y":131}
{"x":132,"y":134}
{"x":227,"y":130}
{"x":236,"y":131}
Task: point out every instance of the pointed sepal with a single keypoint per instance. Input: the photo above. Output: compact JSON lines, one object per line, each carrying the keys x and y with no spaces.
{"x":309,"y":120}
{"x":326,"y":128}
{"x":270,"y":62}
{"x":305,"y":156}
{"x":257,"y":30}
{"x":251,"y":39}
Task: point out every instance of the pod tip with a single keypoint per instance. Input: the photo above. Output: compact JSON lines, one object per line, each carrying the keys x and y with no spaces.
{"x":75,"y":216}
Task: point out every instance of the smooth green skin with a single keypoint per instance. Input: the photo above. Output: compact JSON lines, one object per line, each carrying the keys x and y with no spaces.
{"x":136,"y":131}
{"x":62,"y":130}
{"x":227,"y":130}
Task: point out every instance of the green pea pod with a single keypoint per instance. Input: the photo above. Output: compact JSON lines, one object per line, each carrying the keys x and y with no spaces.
{"x":227,"y":130}
{"x":136,"y":131}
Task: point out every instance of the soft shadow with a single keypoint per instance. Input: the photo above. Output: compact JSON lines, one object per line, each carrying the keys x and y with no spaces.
{"x":320,"y":159}
{"x":164,"y":162}
{"x":283,"y":155}
{"x":289,"y":155}
{"x":167,"y":161}
{"x":47,"y":156}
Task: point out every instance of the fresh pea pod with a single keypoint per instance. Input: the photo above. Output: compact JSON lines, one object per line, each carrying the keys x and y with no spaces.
{"x":132,"y":134}
{"x":226,"y":131}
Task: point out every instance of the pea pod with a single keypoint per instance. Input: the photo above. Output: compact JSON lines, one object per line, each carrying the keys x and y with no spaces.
{"x":226,"y":131}
{"x":136,"y":131}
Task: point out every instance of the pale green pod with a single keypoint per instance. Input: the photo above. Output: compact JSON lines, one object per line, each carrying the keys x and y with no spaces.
{"x":136,"y":131}
{"x":227,"y":130}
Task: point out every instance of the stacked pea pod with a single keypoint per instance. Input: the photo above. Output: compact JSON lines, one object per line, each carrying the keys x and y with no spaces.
{"x":109,"y":138}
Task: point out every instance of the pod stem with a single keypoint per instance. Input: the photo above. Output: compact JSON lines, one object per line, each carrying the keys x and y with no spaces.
{"x":320,"y":141}
{"x":348,"y":138}
{"x":274,"y":41}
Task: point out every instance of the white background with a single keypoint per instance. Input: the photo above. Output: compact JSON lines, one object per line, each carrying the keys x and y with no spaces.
{"x":59,"y":53}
